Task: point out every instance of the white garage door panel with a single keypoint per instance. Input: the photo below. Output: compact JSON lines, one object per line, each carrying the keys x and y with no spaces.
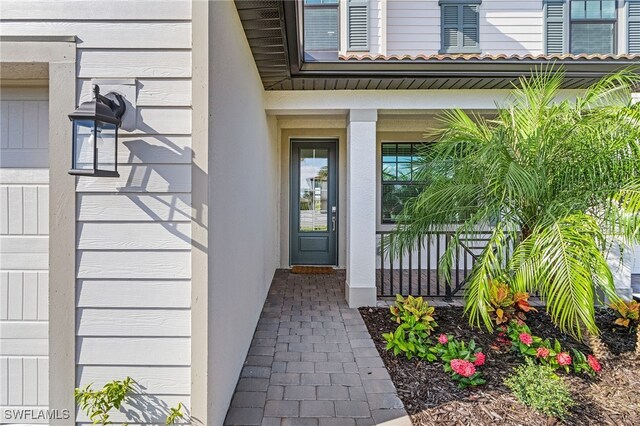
{"x":24,"y":248}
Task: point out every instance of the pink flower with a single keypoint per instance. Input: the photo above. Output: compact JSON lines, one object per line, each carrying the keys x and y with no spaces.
{"x":463,"y":368}
{"x":443,"y":339}
{"x":593,"y":363}
{"x":563,"y":358}
{"x":542,"y":352}
{"x":526,"y":338}
{"x":480,"y":358}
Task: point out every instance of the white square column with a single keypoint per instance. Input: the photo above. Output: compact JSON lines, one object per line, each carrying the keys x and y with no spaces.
{"x":360,"y":287}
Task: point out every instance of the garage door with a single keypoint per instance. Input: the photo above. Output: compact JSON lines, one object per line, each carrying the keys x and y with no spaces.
{"x":24,"y":229}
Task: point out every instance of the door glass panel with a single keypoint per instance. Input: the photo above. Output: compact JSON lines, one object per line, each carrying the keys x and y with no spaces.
{"x":314,"y":189}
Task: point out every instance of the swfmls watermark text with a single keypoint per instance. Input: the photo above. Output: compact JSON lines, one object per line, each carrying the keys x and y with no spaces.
{"x":25,"y":414}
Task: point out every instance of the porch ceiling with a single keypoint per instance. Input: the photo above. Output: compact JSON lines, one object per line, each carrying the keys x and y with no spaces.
{"x":272,"y":29}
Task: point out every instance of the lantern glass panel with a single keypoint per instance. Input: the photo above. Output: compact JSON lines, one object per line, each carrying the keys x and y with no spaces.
{"x":106,"y":146}
{"x":84,"y":139}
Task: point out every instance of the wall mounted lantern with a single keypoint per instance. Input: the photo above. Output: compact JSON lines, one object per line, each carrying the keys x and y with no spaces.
{"x":95,"y":136}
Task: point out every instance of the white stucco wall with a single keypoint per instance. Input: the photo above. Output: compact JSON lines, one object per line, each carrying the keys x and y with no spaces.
{"x":243,"y":216}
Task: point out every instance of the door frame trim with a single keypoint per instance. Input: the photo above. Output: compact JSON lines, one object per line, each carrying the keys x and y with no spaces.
{"x":336,"y":142}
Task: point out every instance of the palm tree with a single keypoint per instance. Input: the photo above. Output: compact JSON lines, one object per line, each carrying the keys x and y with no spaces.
{"x":560,"y":179}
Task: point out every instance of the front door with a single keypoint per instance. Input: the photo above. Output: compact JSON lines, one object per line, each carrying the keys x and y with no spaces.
{"x":314,"y":208}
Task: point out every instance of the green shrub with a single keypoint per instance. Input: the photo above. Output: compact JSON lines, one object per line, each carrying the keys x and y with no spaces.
{"x":411,"y":337}
{"x":537,"y":386}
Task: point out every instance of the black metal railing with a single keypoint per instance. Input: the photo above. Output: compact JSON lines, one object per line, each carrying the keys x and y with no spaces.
{"x":419,"y":274}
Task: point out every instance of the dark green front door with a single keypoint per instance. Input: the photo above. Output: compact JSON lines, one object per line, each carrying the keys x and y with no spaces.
{"x":314,"y":209}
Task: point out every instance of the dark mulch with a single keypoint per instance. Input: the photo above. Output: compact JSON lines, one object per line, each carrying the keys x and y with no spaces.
{"x":431,"y":398}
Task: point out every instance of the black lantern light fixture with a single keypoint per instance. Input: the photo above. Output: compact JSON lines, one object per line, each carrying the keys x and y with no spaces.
{"x":95,"y":136}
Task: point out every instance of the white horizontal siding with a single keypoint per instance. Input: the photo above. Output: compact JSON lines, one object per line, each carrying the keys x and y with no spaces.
{"x":133,"y":232}
{"x":134,"y":264}
{"x":413,"y":27}
{"x":120,"y":10}
{"x":141,"y":178}
{"x":161,"y":92}
{"x":134,"y":236}
{"x":133,"y":294}
{"x":133,"y":351}
{"x":155,"y":380}
{"x":133,"y":322}
{"x":155,"y":150}
{"x":133,"y":63}
{"x":110,"y":35}
{"x":133,"y":207}
{"x":146,"y":409}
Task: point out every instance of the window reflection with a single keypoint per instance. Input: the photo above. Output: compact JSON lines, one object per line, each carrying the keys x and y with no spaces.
{"x":314,"y":189}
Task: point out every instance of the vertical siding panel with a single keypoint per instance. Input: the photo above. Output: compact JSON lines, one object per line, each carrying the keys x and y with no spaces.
{"x":43,"y":296}
{"x":4,"y":296}
{"x":30,"y":210}
{"x":4,"y":210}
{"x":43,"y":124}
{"x":15,"y":124}
{"x":15,"y":296}
{"x":30,"y":124}
{"x":15,"y":378}
{"x":15,"y":209}
{"x":30,"y":383}
{"x":30,"y":296}
{"x":4,"y":381}
{"x":4,"y":124}
{"x":43,"y":381}
{"x":43,"y":210}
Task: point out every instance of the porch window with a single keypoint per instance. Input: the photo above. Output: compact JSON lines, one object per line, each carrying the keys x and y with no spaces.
{"x":399,"y":165}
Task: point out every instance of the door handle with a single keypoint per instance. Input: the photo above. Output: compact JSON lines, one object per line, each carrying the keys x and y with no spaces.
{"x":334,"y":210}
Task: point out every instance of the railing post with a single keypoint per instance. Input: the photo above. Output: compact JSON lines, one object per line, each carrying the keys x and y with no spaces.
{"x":447,"y":284}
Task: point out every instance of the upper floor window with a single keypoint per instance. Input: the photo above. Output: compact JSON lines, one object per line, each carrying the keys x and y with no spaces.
{"x":580,"y":26}
{"x":593,"y":25}
{"x":321,"y":25}
{"x":460,"y":26}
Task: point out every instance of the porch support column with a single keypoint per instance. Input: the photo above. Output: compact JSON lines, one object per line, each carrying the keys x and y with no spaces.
{"x":360,"y":287}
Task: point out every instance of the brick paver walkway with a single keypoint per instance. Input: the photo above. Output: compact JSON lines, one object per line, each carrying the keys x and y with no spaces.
{"x":312,"y":362}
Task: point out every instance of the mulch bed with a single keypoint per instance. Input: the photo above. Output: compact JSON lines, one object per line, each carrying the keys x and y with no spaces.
{"x":432,"y":398}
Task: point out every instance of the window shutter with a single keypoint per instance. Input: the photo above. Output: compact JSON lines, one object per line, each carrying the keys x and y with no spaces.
{"x":555,"y":24}
{"x":358,"y":25}
{"x":470,"y":25}
{"x":449,"y":27}
{"x":634,"y":27}
{"x":321,"y":29}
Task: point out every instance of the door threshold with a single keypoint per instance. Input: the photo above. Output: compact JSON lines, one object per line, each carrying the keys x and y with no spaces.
{"x":311,"y":270}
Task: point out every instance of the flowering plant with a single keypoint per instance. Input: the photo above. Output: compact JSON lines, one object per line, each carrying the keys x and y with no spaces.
{"x":522,"y":340}
{"x":461,"y":360}
{"x":585,"y":364}
{"x":552,"y":355}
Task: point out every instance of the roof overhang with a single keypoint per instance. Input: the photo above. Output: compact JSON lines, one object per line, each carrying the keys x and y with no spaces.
{"x":273,"y":31}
